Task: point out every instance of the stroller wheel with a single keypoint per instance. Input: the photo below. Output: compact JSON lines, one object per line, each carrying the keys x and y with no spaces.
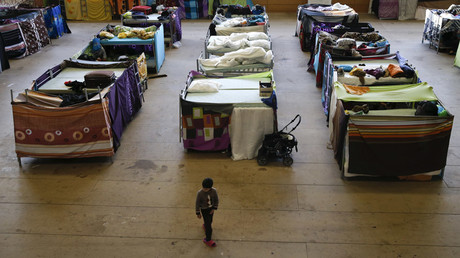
{"x":287,"y":161}
{"x":262,"y":160}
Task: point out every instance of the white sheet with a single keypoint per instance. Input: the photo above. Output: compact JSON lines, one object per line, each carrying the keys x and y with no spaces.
{"x":247,"y":130}
{"x":247,"y":97}
{"x":239,"y":84}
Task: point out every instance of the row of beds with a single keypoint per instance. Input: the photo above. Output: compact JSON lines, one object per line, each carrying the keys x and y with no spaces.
{"x":237,"y":59}
{"x":55,"y":120}
{"x":376,"y":122}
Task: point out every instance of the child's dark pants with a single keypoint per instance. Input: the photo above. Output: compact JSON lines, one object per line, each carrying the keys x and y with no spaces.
{"x":207,"y":222}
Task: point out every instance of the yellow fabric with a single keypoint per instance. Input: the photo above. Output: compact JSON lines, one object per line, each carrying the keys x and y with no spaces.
{"x":142,"y":66}
{"x":97,"y":11}
{"x":73,"y":9}
{"x":356,"y":90}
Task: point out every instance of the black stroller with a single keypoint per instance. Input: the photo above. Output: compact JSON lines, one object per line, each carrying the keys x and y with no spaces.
{"x":279,"y":145}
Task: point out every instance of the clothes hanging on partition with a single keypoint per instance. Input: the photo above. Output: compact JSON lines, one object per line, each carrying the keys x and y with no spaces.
{"x":4,"y":64}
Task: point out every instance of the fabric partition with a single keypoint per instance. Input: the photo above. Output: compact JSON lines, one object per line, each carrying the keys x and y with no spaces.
{"x":71,"y":132}
{"x":97,"y":10}
{"x":35,"y":33}
{"x":247,"y":130}
{"x":388,"y":9}
{"x":73,"y":10}
{"x":4,"y":64}
{"x":124,"y":101}
{"x":408,"y":145}
{"x":193,"y":9}
{"x":54,"y":22}
{"x":205,"y":127}
{"x":457,"y":57}
{"x":407,"y":9}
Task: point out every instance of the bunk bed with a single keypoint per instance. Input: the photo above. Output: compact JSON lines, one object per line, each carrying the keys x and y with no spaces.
{"x":308,"y":14}
{"x":396,"y":137}
{"x":71,"y":123}
{"x":348,"y":46}
{"x":375,"y":73}
{"x":127,"y":48}
{"x":207,"y":109}
{"x":171,"y":23}
{"x":239,"y":62}
{"x":441,"y":28}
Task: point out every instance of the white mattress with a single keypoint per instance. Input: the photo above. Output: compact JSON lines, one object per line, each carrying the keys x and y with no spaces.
{"x":242,"y":92}
{"x":56,"y":85}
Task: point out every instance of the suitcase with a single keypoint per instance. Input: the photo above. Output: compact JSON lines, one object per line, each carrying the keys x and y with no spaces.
{"x":142,"y":8}
{"x":99,"y":79}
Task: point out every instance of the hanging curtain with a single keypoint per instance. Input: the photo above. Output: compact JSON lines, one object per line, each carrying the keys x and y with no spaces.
{"x":97,"y":11}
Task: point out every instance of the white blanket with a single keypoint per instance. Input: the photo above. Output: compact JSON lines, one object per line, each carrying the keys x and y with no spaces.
{"x":247,"y":130}
{"x":250,"y":55}
{"x":237,"y":41}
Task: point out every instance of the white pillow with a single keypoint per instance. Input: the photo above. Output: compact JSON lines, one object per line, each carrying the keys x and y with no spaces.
{"x":204,"y":86}
{"x":257,"y":35}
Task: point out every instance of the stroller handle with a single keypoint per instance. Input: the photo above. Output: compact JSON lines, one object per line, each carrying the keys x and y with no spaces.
{"x":292,"y":121}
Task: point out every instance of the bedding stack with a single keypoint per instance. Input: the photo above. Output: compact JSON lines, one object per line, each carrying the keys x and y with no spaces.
{"x":236,"y":46}
{"x":229,"y":103}
{"x":383,"y":120}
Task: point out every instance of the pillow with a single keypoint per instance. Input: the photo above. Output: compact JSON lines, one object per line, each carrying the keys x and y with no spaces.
{"x":204,"y":86}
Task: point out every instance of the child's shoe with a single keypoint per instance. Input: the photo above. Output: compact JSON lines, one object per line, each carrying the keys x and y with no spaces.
{"x":209,"y":243}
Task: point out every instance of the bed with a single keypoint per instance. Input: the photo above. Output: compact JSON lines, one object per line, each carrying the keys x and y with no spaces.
{"x":307,"y":14}
{"x":370,"y":45}
{"x":205,"y":116}
{"x":171,"y":23}
{"x":390,"y":140}
{"x":337,"y":29}
{"x":225,"y":26}
{"x":45,"y":128}
{"x":239,"y":62}
{"x":219,"y":45}
{"x":330,"y":74}
{"x":130,"y":48}
{"x":441,"y":26}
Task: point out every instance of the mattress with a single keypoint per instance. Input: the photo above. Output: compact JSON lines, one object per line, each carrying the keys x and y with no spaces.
{"x":56,"y":85}
{"x":241,"y":92}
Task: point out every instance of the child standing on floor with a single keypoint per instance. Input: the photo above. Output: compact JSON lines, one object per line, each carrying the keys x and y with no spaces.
{"x":207,"y":202}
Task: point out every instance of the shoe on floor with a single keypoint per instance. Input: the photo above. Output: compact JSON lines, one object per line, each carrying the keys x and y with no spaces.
{"x":209,"y":243}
